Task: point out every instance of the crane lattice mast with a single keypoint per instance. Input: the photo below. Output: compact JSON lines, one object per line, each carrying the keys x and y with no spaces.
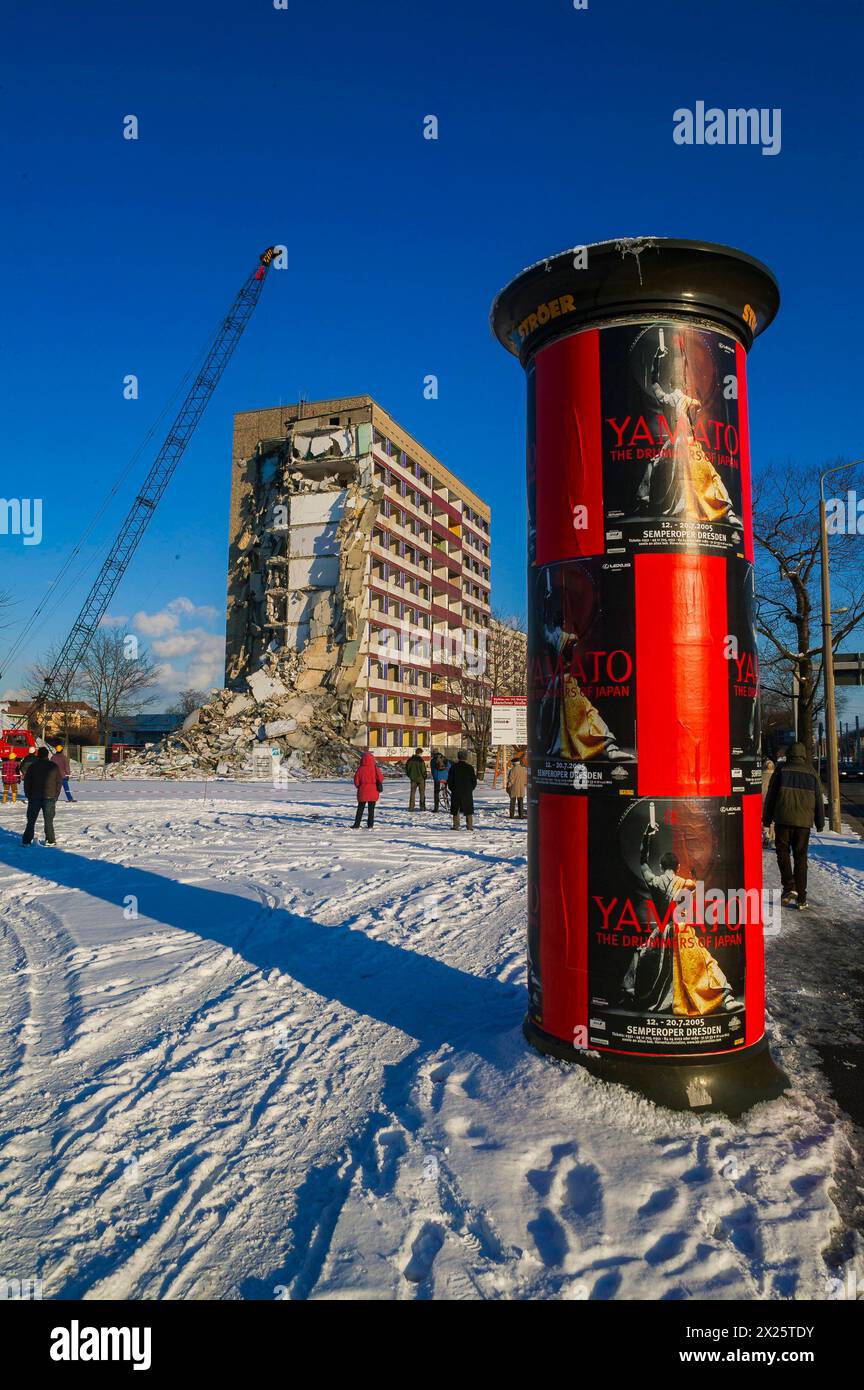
{"x":57,"y":683}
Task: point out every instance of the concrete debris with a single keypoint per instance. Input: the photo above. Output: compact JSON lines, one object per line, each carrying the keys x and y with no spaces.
{"x":264,"y":687}
{"x":279,"y":726}
{"x":237,"y":705}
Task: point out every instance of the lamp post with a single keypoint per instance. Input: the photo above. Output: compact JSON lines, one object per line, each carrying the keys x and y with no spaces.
{"x":828,"y":654}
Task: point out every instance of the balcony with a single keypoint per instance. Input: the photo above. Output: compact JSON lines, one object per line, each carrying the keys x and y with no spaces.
{"x":382,"y":552}
{"x":441,"y":507}
{"x":446,"y":726}
{"x":441,"y":615}
{"x":395,"y":528}
{"x":442,"y":557}
{"x":442,"y":586}
{"x":399,"y":470}
{"x":388,"y":720}
{"x":405,"y":504}
{"x":398,"y":591}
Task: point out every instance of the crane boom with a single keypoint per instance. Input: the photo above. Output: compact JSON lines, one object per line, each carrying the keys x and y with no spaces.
{"x":57,"y":683}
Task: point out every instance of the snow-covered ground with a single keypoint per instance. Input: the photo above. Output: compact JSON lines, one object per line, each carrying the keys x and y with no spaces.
{"x":248,"y":1052}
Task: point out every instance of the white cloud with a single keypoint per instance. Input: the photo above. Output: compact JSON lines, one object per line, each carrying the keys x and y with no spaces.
{"x":187,"y":657}
{"x":197,"y":642}
{"x":179,"y":644}
{"x":155,"y":624}
{"x":110,"y":620}
{"x":205,"y":613}
{"x":20,"y":694}
{"x":203,"y":672}
{"x":168,"y":619}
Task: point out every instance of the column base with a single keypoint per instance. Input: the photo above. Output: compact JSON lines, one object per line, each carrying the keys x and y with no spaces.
{"x":719,"y":1083}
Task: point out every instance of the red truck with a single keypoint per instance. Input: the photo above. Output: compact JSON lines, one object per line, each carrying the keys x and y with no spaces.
{"x":16,"y":743}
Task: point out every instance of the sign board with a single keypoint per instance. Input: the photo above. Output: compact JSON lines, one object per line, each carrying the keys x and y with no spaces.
{"x":849,"y":668}
{"x":509,"y":721}
{"x":266,"y":758}
{"x":94,"y":755}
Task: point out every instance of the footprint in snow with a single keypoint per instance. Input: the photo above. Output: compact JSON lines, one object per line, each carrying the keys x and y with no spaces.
{"x":549,"y":1237}
{"x":424,"y":1249}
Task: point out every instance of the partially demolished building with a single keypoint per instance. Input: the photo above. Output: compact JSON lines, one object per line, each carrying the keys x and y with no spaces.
{"x":359,"y":564}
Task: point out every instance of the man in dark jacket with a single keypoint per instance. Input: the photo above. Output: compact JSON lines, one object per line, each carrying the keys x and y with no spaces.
{"x":27,"y":761}
{"x":42,"y":782}
{"x":415,"y":771}
{"x":462,"y":779}
{"x":794,"y":802}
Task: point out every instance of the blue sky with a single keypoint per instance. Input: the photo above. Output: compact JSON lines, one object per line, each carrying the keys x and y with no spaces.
{"x":304,"y":126}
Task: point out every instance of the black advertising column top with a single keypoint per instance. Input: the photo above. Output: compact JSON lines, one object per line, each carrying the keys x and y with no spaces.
{"x":634,"y":277}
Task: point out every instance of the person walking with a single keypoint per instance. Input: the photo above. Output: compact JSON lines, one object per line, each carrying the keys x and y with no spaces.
{"x":11,"y":777}
{"x":61,"y":761}
{"x":440,"y":769}
{"x":461,"y":780}
{"x":369,"y":784}
{"x":767,"y":773}
{"x":517,"y":786}
{"x":415,"y":771}
{"x":793,"y":803}
{"x":41,"y":787}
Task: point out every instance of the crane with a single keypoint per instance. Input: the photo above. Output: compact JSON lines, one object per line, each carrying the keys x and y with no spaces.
{"x":58,"y":681}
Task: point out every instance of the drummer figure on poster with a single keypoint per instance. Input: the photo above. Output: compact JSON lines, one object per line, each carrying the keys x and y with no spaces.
{"x":680,"y":479}
{"x":673,"y":972}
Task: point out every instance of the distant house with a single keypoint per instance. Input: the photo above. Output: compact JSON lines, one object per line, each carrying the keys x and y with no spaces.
{"x":136,"y":730}
{"x":52,"y":719}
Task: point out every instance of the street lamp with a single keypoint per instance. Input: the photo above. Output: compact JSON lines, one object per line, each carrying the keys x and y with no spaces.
{"x":828,"y":654}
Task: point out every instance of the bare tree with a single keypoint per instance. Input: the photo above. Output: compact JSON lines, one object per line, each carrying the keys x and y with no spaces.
{"x":187,"y":701}
{"x":789,"y":611}
{"x":115,"y":676}
{"x":498,"y":667}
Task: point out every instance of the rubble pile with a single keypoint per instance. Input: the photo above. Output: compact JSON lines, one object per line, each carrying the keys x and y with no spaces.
{"x":271,"y":727}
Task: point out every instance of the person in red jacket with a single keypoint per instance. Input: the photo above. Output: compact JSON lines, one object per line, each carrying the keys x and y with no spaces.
{"x":367,"y":780}
{"x":11,"y":777}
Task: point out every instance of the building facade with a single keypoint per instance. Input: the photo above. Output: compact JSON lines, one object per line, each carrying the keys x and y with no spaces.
{"x":52,"y":721}
{"x":355,"y":549}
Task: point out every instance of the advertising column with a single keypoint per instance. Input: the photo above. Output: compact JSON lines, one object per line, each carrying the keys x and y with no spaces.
{"x":646,"y":911}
